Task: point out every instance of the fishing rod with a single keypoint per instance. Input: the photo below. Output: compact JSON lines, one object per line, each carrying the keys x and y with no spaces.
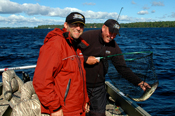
{"x":99,"y":58}
{"x":117,"y":25}
{"x":119,"y":13}
{"x":17,"y":68}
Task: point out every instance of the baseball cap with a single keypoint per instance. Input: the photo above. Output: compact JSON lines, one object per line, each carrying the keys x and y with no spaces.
{"x":113,"y":26}
{"x":75,"y":17}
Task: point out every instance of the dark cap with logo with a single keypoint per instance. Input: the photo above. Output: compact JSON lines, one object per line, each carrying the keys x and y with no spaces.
{"x":113,"y":26}
{"x":75,"y":17}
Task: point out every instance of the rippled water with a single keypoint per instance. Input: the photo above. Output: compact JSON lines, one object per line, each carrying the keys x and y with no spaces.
{"x":20,"y":47}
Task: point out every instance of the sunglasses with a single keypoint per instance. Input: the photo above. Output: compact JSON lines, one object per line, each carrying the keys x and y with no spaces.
{"x":77,"y":25}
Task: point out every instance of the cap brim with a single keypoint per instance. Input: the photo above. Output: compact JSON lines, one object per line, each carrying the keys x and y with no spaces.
{"x":79,"y":22}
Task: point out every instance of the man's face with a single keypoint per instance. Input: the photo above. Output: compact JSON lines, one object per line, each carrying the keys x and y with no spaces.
{"x":107,"y":36}
{"x":75,"y":29}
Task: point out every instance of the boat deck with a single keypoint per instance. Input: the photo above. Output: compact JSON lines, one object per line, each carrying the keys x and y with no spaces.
{"x":126,"y":106}
{"x":113,"y":110}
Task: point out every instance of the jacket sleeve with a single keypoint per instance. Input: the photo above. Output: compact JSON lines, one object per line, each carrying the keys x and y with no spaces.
{"x":85,"y":58}
{"x":121,"y":67}
{"x":125,"y":71}
{"x":48,"y":63}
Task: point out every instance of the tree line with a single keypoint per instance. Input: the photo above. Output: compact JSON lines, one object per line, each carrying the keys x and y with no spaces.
{"x":123,"y":25}
{"x":99,"y":25}
{"x":149,"y":24}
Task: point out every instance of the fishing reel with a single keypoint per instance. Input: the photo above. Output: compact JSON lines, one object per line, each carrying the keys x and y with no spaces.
{"x":25,"y":77}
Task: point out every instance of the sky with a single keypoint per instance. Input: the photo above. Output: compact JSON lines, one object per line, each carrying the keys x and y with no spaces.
{"x":31,"y":13}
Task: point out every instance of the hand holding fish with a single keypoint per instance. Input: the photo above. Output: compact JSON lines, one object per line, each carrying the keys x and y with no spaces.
{"x":148,"y":92}
{"x":143,"y":85}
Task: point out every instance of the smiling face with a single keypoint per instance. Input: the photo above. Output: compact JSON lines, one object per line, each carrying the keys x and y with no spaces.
{"x":107,"y":36}
{"x":75,"y":29}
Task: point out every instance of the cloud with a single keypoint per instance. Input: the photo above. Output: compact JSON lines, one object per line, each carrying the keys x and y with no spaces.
{"x":143,"y":20}
{"x":36,"y":10}
{"x":146,"y":7}
{"x":89,"y":4}
{"x":33,"y":9}
{"x":142,"y":12}
{"x":14,"y":7}
{"x":153,"y":11}
{"x":163,"y":17}
{"x":172,"y":15}
{"x":157,"y":4}
{"x":57,"y":12}
{"x":21,"y":21}
{"x":100,"y":15}
{"x":133,"y":2}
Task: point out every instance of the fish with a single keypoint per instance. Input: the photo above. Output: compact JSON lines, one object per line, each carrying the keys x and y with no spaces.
{"x":147,"y":93}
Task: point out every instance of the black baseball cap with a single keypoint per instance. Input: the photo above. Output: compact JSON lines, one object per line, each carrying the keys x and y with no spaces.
{"x":75,"y":17}
{"x":113,"y":26}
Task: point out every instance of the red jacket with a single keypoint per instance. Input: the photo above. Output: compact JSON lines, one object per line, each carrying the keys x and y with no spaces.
{"x":59,"y":64}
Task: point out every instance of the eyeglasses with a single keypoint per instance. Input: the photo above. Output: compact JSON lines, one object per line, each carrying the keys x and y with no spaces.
{"x":112,"y":34}
{"x":77,"y":25}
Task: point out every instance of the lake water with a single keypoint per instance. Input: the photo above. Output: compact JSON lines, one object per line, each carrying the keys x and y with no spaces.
{"x":20,"y":47}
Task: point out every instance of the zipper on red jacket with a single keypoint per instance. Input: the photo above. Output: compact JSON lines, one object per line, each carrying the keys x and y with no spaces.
{"x":80,"y":70}
{"x":82,"y":75}
{"x":67,"y":90}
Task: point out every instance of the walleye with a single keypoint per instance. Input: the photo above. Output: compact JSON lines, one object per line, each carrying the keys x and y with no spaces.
{"x":147,"y":93}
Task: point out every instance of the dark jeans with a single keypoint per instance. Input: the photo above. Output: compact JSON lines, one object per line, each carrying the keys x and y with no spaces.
{"x":98,"y":101}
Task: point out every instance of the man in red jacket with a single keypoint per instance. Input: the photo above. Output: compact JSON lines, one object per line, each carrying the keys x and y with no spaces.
{"x":59,"y":79}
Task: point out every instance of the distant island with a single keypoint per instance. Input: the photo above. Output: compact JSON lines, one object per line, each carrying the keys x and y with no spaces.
{"x":99,"y":25}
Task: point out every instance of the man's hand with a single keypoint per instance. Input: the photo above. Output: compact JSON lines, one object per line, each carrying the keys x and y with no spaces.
{"x":92,"y":60}
{"x":58,"y":113}
{"x":87,"y":108}
{"x":143,"y":85}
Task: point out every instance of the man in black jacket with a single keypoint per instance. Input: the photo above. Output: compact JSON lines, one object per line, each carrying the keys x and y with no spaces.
{"x":101,"y":44}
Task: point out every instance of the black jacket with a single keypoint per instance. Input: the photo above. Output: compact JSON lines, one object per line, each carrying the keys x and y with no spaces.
{"x":95,"y":74}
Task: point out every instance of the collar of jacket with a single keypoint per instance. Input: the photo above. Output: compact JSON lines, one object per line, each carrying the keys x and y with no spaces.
{"x":78,"y":42}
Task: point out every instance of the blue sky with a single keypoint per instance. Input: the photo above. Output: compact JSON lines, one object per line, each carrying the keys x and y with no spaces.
{"x":31,"y":13}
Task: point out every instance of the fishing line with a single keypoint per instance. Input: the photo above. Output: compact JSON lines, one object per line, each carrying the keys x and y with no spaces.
{"x":116,"y":23}
{"x":119,"y":13}
{"x":125,"y":54}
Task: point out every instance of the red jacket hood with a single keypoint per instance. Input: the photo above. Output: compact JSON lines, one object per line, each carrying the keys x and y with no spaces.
{"x":63,"y":32}
{"x":54,"y":32}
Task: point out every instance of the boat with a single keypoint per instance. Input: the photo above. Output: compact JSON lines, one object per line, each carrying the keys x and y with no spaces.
{"x":118,"y":103}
